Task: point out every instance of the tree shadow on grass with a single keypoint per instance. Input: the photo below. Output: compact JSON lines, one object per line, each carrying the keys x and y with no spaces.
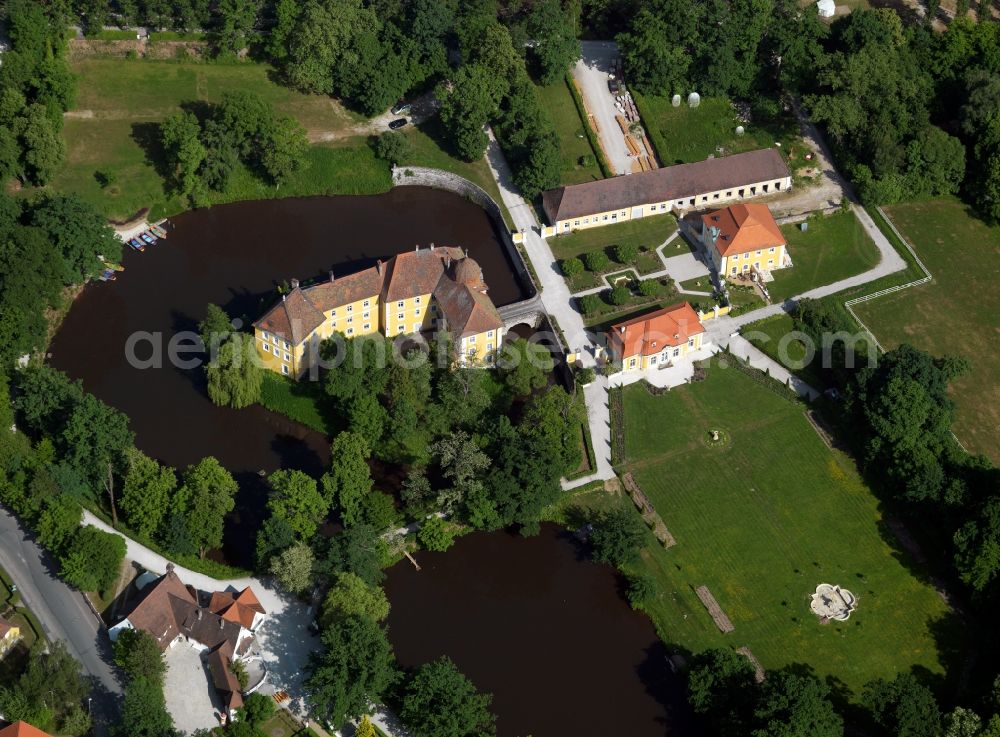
{"x":148,"y":137}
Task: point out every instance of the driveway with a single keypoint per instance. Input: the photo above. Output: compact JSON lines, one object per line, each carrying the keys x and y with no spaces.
{"x":591,"y":73}
{"x":188,"y":689}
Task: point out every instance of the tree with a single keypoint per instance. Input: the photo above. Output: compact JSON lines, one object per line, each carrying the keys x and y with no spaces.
{"x":95,"y":437}
{"x":296,"y":499}
{"x":589,"y":304}
{"x":439,"y":701}
{"x":434,"y":534}
{"x":540,"y":163}
{"x":378,"y":509}
{"x":285,"y":152}
{"x":144,"y":711}
{"x":236,"y":22}
{"x":571,"y":266}
{"x":60,"y":518}
{"x":351,"y":596}
{"x":43,"y":147}
{"x":93,"y":559}
{"x":204,"y":499}
{"x":138,"y":654}
{"x":48,"y":691}
{"x":147,"y":492}
{"x":354,"y":670}
{"x":791,"y":704}
{"x":467,"y":104}
{"x":392,"y":146}
{"x":653,"y":64}
{"x":596,"y":261}
{"x":235,"y":378}
{"x":617,"y":536}
{"x":625,"y":253}
{"x":274,"y":536}
{"x":180,"y":135}
{"x":555,"y":45}
{"x":649,"y":287}
{"x":721,"y":687}
{"x":525,"y":366}
{"x":357,"y":549}
{"x":619,"y":295}
{"x":80,"y":233}
{"x":349,"y":478}
{"x":461,"y":462}
{"x":963,"y":723}
{"x":903,"y":707}
{"x":292,"y":568}
{"x":365,"y":728}
{"x":214,"y":328}
{"x":977,"y":546}
{"x":257,"y":709}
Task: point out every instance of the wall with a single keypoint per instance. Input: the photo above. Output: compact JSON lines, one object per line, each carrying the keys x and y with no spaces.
{"x":422,"y":176}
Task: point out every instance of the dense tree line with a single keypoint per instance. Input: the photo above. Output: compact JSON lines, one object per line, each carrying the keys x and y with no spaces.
{"x":36,"y":87}
{"x":203,"y":153}
{"x":49,"y":693}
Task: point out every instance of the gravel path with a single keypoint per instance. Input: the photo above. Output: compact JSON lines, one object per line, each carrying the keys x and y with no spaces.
{"x":591,"y":73}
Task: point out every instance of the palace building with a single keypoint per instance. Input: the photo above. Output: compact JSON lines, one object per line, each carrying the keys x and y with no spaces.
{"x":743,"y":238}
{"x":659,"y":338}
{"x":427,"y":289}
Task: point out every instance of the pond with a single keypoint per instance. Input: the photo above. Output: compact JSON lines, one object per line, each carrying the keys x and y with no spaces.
{"x":544,"y":629}
{"x":235,"y":256}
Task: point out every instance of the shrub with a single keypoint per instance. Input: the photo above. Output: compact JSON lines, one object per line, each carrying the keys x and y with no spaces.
{"x":619,"y":296}
{"x":435,"y":535}
{"x":571,"y":266}
{"x":626,"y":254}
{"x":391,"y":146}
{"x":617,"y":536}
{"x":649,"y":287}
{"x":590,"y":304}
{"x":587,"y":160}
{"x":641,"y":588}
{"x":585,"y":375}
{"x":597,"y":261}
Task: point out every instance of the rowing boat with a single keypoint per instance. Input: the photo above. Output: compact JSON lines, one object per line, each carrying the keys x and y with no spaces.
{"x":158,"y":231}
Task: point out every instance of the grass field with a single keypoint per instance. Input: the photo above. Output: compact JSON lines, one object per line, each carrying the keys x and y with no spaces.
{"x":646,"y":233}
{"x":957,"y":313}
{"x":684,"y":134}
{"x":114,"y":129}
{"x":573,"y":143}
{"x":833,"y":248}
{"x":762,"y":521}
{"x":770,"y":336}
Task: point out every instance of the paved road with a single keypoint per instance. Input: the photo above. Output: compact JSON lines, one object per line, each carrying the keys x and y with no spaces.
{"x":63,"y":613}
{"x":591,"y":73}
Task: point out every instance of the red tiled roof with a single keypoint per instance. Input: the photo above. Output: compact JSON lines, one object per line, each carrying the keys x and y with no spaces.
{"x":293,"y":318}
{"x":743,"y":228}
{"x":155,"y":613}
{"x":240,"y":608}
{"x":5,"y":627}
{"x":344,"y":290}
{"x":417,"y":272}
{"x":651,"y":333}
{"x":467,"y":310}
{"x":22,"y":729}
{"x":663,"y":185}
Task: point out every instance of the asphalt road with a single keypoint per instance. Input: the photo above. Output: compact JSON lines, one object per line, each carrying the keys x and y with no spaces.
{"x":64,"y":615}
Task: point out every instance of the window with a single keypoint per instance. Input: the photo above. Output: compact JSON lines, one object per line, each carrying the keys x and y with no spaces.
{"x":690,"y":342}
{"x":734,"y":269}
{"x":286,"y":345}
{"x":399,"y":316}
{"x":401,"y":328}
{"x":652,"y":360}
{"x":366,"y":303}
{"x":263,"y":335}
{"x":333,"y":313}
{"x":729,"y":193}
{"x":586,"y":221}
{"x":368,"y":326}
{"x":614,"y":216}
{"x":576,"y":222}
{"x":777,"y":185}
{"x":715,"y":196}
{"x":489,"y":334}
{"x":677,"y":352}
{"x":663,"y":356}
{"x":350,"y":320}
{"x":765,"y":187}
{"x":416,"y":311}
{"x":267,"y":348}
{"x":631,"y":363}
{"x":771,"y":249}
{"x":274,"y":339}
{"x":350,"y":331}
{"x":366,"y":315}
{"x":489,"y":347}
{"x":770,"y":262}
{"x":416,"y":300}
{"x":758,"y":253}
{"x":399,"y":303}
{"x":350,"y":308}
{"x":287,"y":357}
{"x":605,"y":217}
{"x":284,"y":370}
{"x":692,"y":201}
{"x":472,"y":339}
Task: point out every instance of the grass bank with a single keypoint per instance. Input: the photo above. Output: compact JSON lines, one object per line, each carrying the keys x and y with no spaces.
{"x":579,"y":158}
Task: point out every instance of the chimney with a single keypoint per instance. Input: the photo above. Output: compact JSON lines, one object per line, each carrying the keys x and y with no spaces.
{"x":284,"y":297}
{"x":432,"y":245}
{"x":170,"y":567}
{"x":378,"y":267}
{"x":447,"y":260}
{"x":416,"y":246}
{"x":199,"y":614}
{"x":295,"y":283}
{"x":332,"y":277}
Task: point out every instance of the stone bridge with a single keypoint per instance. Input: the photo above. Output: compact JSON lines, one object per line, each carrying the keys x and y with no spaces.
{"x":526,"y":312}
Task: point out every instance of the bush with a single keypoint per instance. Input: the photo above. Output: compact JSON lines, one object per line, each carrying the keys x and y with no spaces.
{"x":435,"y":535}
{"x":619,"y":296}
{"x":391,"y":146}
{"x":641,"y":588}
{"x":587,"y":160}
{"x":585,"y":375}
{"x":597,"y":261}
{"x":626,"y":254}
{"x":617,"y":536}
{"x":571,"y":266}
{"x":590,"y":304}
{"x":649,"y":287}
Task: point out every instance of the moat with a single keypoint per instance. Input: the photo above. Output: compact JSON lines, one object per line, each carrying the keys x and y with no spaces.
{"x":531,"y":620}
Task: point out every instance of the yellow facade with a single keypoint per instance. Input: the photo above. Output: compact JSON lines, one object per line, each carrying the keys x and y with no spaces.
{"x":9,"y":639}
{"x":668,"y":354}
{"x":611,"y":217}
{"x":354,"y":319}
{"x":408,"y":316}
{"x":479,"y":349}
{"x":764,"y":259}
{"x":277,"y":354}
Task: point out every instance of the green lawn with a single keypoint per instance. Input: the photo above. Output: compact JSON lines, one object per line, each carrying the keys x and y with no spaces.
{"x":762,"y":521}
{"x":646,"y":233}
{"x":770,"y":335}
{"x":833,"y":248}
{"x":956,"y":313}
{"x":684,"y":134}
{"x":573,"y":141}
{"x":302,"y":401}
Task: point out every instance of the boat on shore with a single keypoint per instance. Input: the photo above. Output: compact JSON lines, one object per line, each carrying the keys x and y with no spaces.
{"x":137,"y":244}
{"x":150,"y":239}
{"x":157,"y":231}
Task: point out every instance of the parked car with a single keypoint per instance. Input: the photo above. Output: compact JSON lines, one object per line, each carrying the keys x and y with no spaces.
{"x":401,"y":108}
{"x":614,"y":86}
{"x":397,"y":123}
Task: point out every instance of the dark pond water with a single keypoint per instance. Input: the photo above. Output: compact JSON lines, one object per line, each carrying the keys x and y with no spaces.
{"x":235,"y":256}
{"x":546,"y":631}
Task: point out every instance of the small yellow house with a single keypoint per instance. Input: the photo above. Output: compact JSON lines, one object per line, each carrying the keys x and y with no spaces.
{"x":9,"y":635}
{"x":658,"y":338}
{"x":415,"y":292}
{"x":743,"y":238}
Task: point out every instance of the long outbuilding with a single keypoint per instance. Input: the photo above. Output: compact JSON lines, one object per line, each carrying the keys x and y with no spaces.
{"x":672,"y":188}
